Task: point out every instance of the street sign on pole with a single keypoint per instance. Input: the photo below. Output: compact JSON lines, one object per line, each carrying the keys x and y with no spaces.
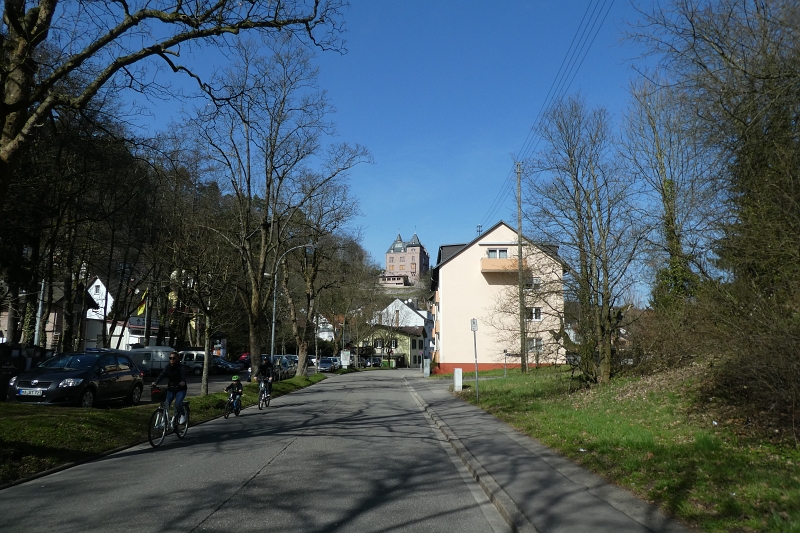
{"x":474,"y":326}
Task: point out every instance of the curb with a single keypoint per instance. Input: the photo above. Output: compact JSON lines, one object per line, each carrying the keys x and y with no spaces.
{"x":512,"y":514}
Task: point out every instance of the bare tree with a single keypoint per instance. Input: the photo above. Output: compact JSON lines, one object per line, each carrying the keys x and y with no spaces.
{"x":350,"y":286}
{"x":267,"y":125}
{"x":664,"y":154}
{"x":63,"y":54}
{"x":579,"y":198}
{"x":735,"y":62}
{"x":318,"y":221}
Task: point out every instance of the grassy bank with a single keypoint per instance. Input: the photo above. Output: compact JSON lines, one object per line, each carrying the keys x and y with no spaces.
{"x":656,"y":437}
{"x":36,"y":438}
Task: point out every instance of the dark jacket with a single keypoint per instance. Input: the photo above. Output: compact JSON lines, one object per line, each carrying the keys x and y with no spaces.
{"x":175,"y":375}
{"x":265,"y":370}
{"x":235,"y":386}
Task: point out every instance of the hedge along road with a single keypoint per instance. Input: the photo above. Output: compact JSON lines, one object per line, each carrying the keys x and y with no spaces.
{"x":352,"y":453}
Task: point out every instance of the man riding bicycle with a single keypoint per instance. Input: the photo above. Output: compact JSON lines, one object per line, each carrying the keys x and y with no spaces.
{"x":266,"y":373}
{"x":176,"y":385}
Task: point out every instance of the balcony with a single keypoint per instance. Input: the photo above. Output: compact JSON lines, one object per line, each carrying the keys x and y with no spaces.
{"x":498,"y":265}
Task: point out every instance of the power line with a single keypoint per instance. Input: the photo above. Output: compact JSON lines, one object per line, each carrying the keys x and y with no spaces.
{"x":573,"y":59}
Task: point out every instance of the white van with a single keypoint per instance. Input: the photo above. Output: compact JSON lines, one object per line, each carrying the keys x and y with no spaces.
{"x":151,"y":359}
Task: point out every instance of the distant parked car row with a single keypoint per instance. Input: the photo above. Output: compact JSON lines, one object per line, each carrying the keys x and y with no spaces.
{"x":100,"y":375}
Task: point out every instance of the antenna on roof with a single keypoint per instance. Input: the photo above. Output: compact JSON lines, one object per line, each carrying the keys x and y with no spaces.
{"x":480,"y":230}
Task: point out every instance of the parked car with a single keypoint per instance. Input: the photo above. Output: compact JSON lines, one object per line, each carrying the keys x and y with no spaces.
{"x":281,"y":367}
{"x":294,"y":362}
{"x":374,"y":362}
{"x":80,"y":378}
{"x":312,"y":359}
{"x":326,"y":364}
{"x":193,"y":360}
{"x":337,"y":361}
{"x":221,"y":366}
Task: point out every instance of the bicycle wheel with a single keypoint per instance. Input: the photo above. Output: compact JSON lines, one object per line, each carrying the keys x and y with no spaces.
{"x":236,"y":409}
{"x":266,"y":400}
{"x":227,"y":410}
{"x":183,"y":428}
{"x":158,"y":428}
{"x":261,"y":400}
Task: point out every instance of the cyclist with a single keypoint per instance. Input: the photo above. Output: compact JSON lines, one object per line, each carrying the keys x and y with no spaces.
{"x":266,"y":373}
{"x":176,"y":384}
{"x":237,"y":387}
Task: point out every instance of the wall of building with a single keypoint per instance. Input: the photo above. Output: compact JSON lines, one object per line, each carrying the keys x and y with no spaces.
{"x":465,"y":292}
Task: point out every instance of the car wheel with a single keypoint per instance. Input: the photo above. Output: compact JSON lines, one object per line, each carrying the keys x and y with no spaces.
{"x":87,"y":398}
{"x":135,"y":396}
{"x":198,"y":371}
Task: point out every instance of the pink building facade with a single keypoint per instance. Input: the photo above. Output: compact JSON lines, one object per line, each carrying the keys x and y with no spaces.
{"x":405,"y":262}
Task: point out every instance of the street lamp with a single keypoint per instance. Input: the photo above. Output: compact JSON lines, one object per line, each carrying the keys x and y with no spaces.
{"x":275,"y":293}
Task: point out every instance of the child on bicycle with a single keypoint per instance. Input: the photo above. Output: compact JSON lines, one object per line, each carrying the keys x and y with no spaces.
{"x":237,"y":388}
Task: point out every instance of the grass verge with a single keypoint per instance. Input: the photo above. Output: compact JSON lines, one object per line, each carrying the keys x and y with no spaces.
{"x":655,"y":437}
{"x":35,"y":438}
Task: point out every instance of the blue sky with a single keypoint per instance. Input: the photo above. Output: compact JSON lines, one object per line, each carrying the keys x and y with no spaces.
{"x":444,"y":94}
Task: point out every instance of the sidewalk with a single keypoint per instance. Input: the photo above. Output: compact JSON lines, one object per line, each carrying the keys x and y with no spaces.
{"x":534,"y":488}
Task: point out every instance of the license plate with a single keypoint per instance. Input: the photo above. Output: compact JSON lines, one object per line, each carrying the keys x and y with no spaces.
{"x":31,"y":392}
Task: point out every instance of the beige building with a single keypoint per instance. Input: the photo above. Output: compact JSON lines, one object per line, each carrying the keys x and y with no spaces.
{"x":479,"y":280}
{"x":405,"y":262}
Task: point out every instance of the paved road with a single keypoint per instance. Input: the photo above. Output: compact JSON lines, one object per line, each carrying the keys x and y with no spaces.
{"x":354,"y":453}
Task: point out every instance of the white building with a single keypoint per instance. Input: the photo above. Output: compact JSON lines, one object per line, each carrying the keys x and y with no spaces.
{"x":404,"y":314}
{"x":480,"y":280}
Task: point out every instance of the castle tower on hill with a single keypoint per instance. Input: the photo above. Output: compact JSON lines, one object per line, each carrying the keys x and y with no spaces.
{"x":405,"y":262}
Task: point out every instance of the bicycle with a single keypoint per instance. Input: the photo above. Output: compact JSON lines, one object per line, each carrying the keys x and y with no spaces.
{"x":263,"y":395}
{"x":162,"y":424}
{"x":233,"y":405}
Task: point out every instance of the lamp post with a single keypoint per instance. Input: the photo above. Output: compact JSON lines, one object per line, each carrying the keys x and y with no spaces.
{"x":275,"y":294}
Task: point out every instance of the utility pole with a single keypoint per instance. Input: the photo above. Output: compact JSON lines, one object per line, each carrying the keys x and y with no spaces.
{"x":523,"y":354}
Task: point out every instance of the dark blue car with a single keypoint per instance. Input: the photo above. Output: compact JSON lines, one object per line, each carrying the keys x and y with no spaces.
{"x":80,"y":378}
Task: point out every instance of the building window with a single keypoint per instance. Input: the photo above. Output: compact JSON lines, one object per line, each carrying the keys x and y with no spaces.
{"x":391,"y":259}
{"x":535,"y":345}
{"x":402,"y":259}
{"x":97,"y":289}
{"x":394,"y":343}
{"x":532,"y":283}
{"x":402,"y":267}
{"x":497,"y":253}
{"x":533,"y":313}
{"x":391,"y":267}
{"x":378,"y":343}
{"x":413,"y":267}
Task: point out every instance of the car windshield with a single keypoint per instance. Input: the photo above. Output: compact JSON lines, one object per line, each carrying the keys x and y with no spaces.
{"x":70,"y":362}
